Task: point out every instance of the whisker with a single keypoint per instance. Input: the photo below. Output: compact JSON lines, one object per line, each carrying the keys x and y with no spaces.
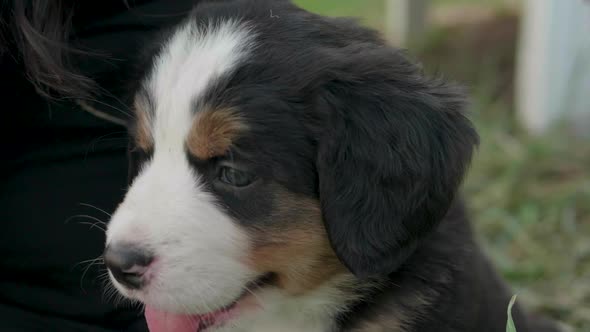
{"x":96,"y":208}
{"x":84,"y":274}
{"x":209,"y":309}
{"x":90,"y":263}
{"x":92,"y":260}
{"x":85,"y":216}
{"x":258,"y":299}
{"x":92,"y":225}
{"x":95,"y":224}
{"x":109,"y":293}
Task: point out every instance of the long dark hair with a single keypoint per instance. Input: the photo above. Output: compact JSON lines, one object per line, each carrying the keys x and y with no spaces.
{"x":37,"y":34}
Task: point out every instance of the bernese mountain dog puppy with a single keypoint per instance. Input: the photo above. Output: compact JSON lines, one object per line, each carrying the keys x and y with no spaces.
{"x":292,"y":172}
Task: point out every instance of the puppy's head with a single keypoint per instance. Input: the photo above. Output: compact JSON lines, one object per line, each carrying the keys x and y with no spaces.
{"x":287,"y":150}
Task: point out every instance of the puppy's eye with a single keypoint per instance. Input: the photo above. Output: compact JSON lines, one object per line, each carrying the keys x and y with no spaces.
{"x":235,"y":177}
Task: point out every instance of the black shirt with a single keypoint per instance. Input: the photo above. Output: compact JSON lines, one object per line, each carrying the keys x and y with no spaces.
{"x":56,"y":158}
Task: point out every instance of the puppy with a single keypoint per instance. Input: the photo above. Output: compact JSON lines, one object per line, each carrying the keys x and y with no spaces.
{"x":291,"y":172}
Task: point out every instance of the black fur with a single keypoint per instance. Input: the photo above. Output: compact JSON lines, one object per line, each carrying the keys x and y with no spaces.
{"x":390,"y":161}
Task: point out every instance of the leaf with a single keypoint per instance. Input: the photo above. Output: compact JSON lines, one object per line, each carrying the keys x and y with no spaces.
{"x":510,"y":323}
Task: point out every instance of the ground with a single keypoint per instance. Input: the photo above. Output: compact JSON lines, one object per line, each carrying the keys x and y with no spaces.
{"x":529,"y":197}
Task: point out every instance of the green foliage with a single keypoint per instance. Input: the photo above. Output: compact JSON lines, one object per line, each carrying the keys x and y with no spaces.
{"x":370,"y":12}
{"x":510,"y":323}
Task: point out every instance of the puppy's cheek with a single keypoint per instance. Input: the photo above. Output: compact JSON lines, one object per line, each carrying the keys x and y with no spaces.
{"x":294,"y":245}
{"x":300,"y":260}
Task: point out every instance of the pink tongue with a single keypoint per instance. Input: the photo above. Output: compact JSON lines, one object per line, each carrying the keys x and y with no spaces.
{"x":159,"y":321}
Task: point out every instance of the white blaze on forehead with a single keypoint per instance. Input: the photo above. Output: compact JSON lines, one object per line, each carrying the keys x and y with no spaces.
{"x":166,"y":209}
{"x":195,"y":56}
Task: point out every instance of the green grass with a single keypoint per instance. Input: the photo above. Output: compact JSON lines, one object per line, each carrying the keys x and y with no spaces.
{"x":529,"y":197}
{"x":468,"y":2}
{"x":510,"y":327}
{"x":370,"y":12}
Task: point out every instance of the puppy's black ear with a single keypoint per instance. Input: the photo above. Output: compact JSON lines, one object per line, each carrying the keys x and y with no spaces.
{"x":391,"y":156}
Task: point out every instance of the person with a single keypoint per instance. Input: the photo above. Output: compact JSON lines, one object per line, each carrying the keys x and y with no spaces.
{"x":65,"y":65}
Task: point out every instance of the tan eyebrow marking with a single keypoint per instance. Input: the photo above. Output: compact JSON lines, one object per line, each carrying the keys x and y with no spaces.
{"x":213,"y":132}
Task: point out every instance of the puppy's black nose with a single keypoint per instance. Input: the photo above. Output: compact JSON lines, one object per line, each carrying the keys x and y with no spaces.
{"x":127,"y":264}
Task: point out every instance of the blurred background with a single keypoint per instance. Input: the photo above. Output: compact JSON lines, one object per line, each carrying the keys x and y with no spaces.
{"x":527,"y":67}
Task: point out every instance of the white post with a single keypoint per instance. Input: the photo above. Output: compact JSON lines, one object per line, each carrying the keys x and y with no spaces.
{"x":405,"y":19}
{"x":553,"y":73}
